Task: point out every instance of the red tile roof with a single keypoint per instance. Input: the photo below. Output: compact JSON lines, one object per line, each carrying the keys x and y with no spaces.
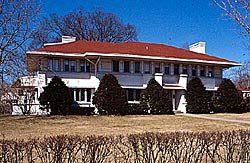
{"x":133,"y":48}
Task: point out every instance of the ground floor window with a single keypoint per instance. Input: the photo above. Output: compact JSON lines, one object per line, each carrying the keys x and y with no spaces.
{"x":133,"y":94}
{"x":81,"y":94}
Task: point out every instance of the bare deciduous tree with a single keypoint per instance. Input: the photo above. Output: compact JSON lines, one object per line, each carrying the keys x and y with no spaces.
{"x":93,"y":26}
{"x":237,"y":10}
{"x":241,"y":76}
{"x":17,"y":23}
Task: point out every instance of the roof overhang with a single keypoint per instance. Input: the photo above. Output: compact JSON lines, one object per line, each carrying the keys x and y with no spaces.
{"x":133,"y":56}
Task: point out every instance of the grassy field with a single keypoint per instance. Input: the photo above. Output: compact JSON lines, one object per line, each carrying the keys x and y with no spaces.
{"x":39,"y":126}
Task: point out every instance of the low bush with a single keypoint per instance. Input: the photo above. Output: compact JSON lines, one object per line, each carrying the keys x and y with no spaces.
{"x":181,"y":147}
{"x":81,"y":111}
{"x":135,"y":109}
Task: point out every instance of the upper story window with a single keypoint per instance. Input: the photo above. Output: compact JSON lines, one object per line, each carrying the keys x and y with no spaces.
{"x":210,"y":72}
{"x":167,"y":71}
{"x":184,"y":69}
{"x":72,"y":65}
{"x":202,"y":71}
{"x":54,"y":64}
{"x":84,"y":66}
{"x":137,"y":67}
{"x":193,"y":70}
{"x":157,"y":68}
{"x":66,"y":65}
{"x":176,"y":69}
{"x":126,"y":66}
{"x":115,"y":66}
{"x":146,"y":67}
{"x":69,"y":65}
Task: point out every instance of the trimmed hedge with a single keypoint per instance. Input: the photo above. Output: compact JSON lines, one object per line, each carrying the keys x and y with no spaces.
{"x":181,"y":147}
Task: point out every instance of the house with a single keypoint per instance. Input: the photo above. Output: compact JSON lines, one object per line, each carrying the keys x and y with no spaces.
{"x":245,"y":92}
{"x":81,"y":65}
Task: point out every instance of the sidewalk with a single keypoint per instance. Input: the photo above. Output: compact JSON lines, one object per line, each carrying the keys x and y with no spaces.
{"x":216,"y":119}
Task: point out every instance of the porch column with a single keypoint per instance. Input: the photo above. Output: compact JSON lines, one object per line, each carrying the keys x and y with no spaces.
{"x":61,"y":65}
{"x":142,"y":67}
{"x":189,"y":70}
{"x":80,"y":94}
{"x":85,"y":95}
{"x":162,"y":68}
{"x":171,"y":69}
{"x":180,"y":68}
{"x":92,"y":94}
{"x":121,"y":66}
{"x":206,"y":71}
{"x":74,"y":94}
{"x":131,"y":66}
{"x":152,"y":68}
{"x":173,"y":99}
{"x":198,"y":70}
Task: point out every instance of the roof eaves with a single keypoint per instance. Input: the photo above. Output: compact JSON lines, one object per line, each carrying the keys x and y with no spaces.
{"x":57,"y":53}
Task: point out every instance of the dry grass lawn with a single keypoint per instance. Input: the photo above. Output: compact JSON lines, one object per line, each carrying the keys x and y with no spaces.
{"x":39,"y":126}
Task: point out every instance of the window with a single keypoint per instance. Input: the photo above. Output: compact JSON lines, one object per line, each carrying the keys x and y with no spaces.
{"x":133,"y":94}
{"x":50,"y":64}
{"x":66,"y":65}
{"x":157,"y":68}
{"x":193,"y":70}
{"x":81,"y":94}
{"x":167,"y":69}
{"x":126,"y":66}
{"x":184,"y":69}
{"x":202,"y":71}
{"x":115,"y":66}
{"x":84,"y":66}
{"x":72,"y":66}
{"x":130,"y":95}
{"x":210,"y":74}
{"x":87,"y":66}
{"x":146,"y":67}
{"x":176,"y":69}
{"x":54,"y":64}
{"x":137,"y":67}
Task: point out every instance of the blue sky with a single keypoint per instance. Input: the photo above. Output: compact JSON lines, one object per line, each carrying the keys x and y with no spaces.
{"x":171,"y":22}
